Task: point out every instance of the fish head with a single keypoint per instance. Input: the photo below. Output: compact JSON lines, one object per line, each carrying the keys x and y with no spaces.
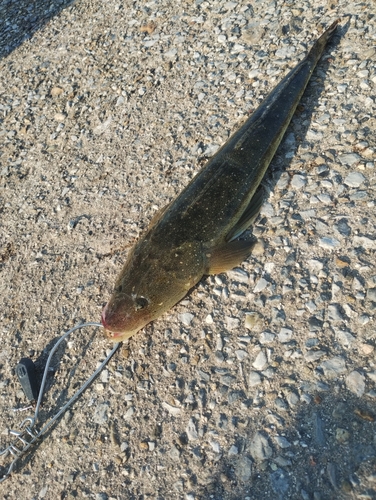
{"x":125,"y":314}
{"x":153,"y":280}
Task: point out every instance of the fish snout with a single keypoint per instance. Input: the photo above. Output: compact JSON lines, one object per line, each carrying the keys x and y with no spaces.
{"x":103,"y":318}
{"x":118,"y":318}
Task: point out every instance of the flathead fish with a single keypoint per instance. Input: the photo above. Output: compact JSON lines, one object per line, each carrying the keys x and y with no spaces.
{"x":196,"y":234}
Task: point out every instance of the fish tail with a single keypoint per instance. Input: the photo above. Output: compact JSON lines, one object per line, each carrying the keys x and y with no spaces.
{"x":319,"y":45}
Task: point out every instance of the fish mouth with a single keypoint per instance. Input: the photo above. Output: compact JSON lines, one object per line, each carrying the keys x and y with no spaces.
{"x":116,"y":336}
{"x":109,"y":333}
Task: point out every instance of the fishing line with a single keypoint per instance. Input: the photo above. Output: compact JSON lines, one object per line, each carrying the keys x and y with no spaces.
{"x":27,"y":434}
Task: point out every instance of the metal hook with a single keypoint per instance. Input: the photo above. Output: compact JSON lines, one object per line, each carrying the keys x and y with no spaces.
{"x":26,"y":427}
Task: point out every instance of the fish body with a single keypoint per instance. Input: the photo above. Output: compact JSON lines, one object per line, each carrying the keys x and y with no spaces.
{"x":195,"y":235}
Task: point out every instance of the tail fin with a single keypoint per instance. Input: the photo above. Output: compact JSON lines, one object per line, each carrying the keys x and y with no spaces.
{"x":319,"y":45}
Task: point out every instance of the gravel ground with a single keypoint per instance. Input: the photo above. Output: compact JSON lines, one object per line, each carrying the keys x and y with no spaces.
{"x":261,"y":384}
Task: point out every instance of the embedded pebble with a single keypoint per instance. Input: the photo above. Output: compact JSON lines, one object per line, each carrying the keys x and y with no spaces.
{"x":332,"y":474}
{"x":100,"y":415}
{"x":345,"y":338}
{"x":191,"y":430}
{"x":232,"y":323}
{"x":243,"y":469}
{"x":261,"y":284}
{"x":285,"y":335}
{"x":280,"y":483}
{"x":334,"y":313}
{"x":371,"y":294}
{"x":342,"y":435}
{"x":318,"y":429}
{"x":266,"y":337}
{"x":282,"y":441}
{"x":298,"y":181}
{"x":355,"y":383}
{"x":258,"y":248}
{"x":364,"y":241}
{"x":239,"y":275}
{"x":313,"y":355}
{"x":355,"y":179}
{"x":186,"y":318}
{"x":254,"y":379}
{"x":260,"y":361}
{"x":292,"y":398}
{"x":254,"y":321}
{"x":233,"y":451}
{"x":349,"y":158}
{"x":209,"y":319}
{"x":173,"y":410}
{"x":329,"y":243}
{"x":241,"y":355}
{"x":333,"y":367}
{"x":259,"y":447}
{"x":253,"y":32}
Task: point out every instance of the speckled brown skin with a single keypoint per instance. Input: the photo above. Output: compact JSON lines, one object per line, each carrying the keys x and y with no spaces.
{"x":194,"y":235}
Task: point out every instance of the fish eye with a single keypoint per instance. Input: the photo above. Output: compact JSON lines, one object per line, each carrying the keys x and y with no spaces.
{"x":140,"y":303}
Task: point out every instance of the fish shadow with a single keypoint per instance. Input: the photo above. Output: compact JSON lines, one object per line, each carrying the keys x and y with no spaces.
{"x":20,"y":20}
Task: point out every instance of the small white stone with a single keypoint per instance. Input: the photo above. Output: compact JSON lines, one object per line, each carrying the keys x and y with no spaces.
{"x":308,"y":214}
{"x":233,"y":451}
{"x":215,"y":446}
{"x":329,"y":243}
{"x":186,"y":318}
{"x":312,"y":356}
{"x":334,"y":367}
{"x":342,"y":88}
{"x":298,"y":181}
{"x":104,"y":376}
{"x":241,"y":354}
{"x":364,"y":242}
{"x":254,"y":321}
{"x":232,"y":323}
{"x":355,"y":383}
{"x":345,"y":338}
{"x":191,"y":431}
{"x":282,"y":442}
{"x":266,"y":337}
{"x":254,"y":379}
{"x":285,"y":335}
{"x":349,"y":158}
{"x":267,"y":209}
{"x":324,"y":198}
{"x":260,"y":285}
{"x":172,"y":410}
{"x":129,"y":413}
{"x":355,"y":179}
{"x":260,"y":361}
{"x":209,"y":319}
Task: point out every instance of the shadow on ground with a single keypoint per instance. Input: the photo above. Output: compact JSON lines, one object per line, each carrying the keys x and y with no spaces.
{"x":332,"y":455}
{"x":21,"y":19}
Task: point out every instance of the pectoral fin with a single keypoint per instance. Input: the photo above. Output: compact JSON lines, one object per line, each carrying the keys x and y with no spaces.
{"x":227,"y":256}
{"x":248,"y":217}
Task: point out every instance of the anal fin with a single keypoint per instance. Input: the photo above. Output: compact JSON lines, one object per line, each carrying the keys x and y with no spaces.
{"x":228,"y":255}
{"x":249,"y":216}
